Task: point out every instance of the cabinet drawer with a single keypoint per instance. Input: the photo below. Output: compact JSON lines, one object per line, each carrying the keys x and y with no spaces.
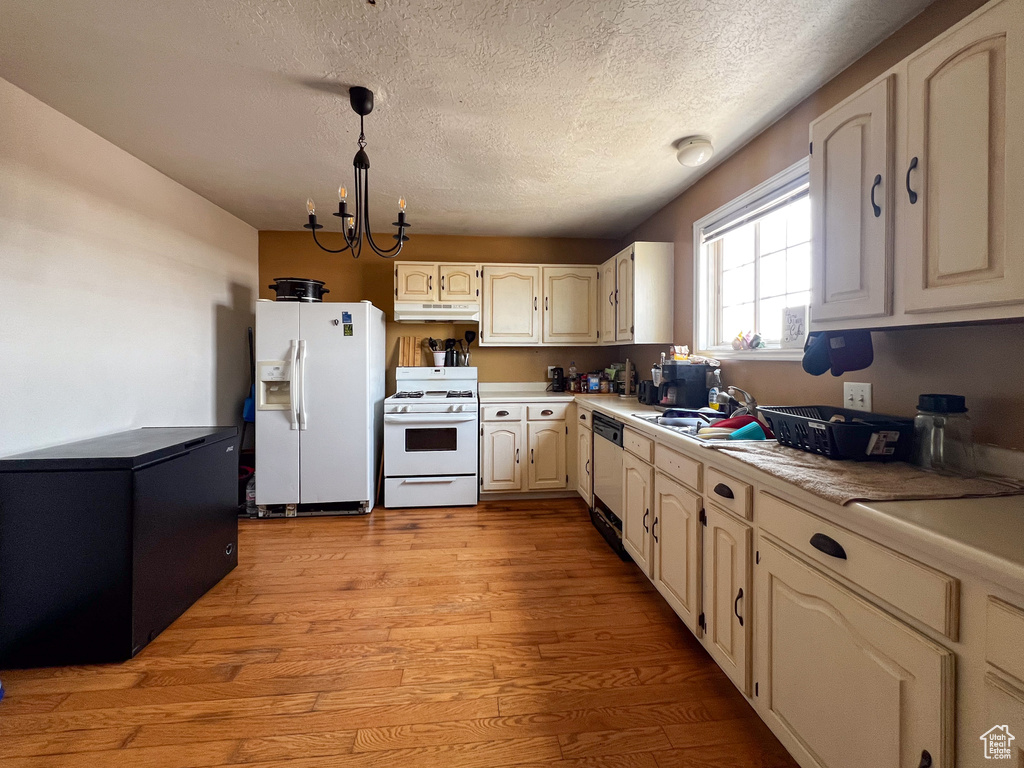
{"x":586,"y":418}
{"x":679,"y":467}
{"x":640,"y":446}
{"x":501,"y":413}
{"x":729,"y":493}
{"x":1004,"y":629}
{"x":547,"y":412}
{"x":922,"y":593}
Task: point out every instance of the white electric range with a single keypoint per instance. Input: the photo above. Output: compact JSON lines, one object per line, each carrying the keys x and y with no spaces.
{"x":431,"y":439}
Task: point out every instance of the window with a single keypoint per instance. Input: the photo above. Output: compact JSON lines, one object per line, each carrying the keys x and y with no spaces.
{"x":753,"y":261}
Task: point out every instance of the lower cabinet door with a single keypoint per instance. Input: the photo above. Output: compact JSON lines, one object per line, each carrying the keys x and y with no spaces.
{"x":1004,"y":704}
{"x":546,"y":467}
{"x":675,"y":533}
{"x":584,"y":463}
{"x":727,"y":598}
{"x":501,"y":447}
{"x":843,"y":684}
{"x":637,"y":485}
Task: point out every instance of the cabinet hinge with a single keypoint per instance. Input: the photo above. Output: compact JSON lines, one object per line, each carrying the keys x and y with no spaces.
{"x":810,"y":148}
{"x":598,"y":333}
{"x":481,"y":482}
{"x":632,"y":329}
{"x":757,"y":557}
{"x":756,"y":691}
{"x":700,"y":622}
{"x":481,"y":430}
{"x":567,"y":429}
{"x":632,"y":255}
{"x":704,"y":520}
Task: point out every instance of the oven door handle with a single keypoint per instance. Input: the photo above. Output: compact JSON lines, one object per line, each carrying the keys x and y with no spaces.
{"x":439,"y":419}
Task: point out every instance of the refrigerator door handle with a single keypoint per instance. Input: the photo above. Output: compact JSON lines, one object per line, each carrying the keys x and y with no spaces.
{"x":293,"y":404}
{"x":302,"y":384}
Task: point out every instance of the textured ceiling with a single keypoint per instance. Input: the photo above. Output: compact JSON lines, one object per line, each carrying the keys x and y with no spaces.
{"x":493,"y":117}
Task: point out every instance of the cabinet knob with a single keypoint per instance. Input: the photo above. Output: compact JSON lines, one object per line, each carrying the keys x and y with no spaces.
{"x":646,"y":513}
{"x":502,"y":413}
{"x":926,"y":759}
{"x":546,"y":412}
{"x":874,"y":206}
{"x":736,"y":606}
{"x":724,"y":491}
{"x":654,"y":530}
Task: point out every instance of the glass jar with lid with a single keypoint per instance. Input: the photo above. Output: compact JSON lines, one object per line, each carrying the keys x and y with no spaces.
{"x":943,"y":437}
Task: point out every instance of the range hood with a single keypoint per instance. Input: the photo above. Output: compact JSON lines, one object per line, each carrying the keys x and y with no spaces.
{"x":436,"y":312}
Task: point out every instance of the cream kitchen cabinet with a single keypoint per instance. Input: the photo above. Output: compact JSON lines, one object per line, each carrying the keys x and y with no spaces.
{"x":840,"y":682}
{"x":501,"y":448}
{"x":637,"y":505}
{"x":584,"y":461}
{"x":728,"y":600}
{"x":511,"y":305}
{"x":642,"y":296}
{"x":424,"y":281}
{"x":523,"y":446}
{"x":606,"y":302}
{"x":546,"y":469}
{"x":954,"y":117}
{"x":676,"y":551}
{"x":570,"y":305}
{"x":416,"y":281}
{"x":962,"y":238}
{"x":852,"y":183}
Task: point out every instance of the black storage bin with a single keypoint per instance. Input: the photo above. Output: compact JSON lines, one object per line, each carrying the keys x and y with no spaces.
{"x":105,"y":542}
{"x":862,"y":436}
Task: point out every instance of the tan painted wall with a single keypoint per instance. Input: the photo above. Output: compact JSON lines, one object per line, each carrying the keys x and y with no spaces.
{"x":293,"y":254}
{"x":981,"y":361}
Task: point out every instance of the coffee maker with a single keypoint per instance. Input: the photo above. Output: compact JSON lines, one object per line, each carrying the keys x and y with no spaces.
{"x":557,"y":380}
{"x":684,"y":384}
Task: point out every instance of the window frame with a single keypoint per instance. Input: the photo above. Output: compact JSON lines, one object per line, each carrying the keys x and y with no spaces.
{"x":705,"y":287}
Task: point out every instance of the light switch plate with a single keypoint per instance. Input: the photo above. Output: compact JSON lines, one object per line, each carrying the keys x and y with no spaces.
{"x":551,"y":371}
{"x":856,"y":396}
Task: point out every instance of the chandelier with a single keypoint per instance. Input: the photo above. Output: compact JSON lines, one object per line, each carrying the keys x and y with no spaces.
{"x":353,"y":226}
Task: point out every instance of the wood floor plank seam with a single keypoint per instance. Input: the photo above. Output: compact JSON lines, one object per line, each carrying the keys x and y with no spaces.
{"x":506,"y":635}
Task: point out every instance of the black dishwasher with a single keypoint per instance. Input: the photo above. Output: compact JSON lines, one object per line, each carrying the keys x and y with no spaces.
{"x":105,"y":542}
{"x":606,"y":514}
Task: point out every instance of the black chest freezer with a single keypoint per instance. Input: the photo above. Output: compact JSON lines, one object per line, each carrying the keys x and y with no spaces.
{"x":105,"y":542}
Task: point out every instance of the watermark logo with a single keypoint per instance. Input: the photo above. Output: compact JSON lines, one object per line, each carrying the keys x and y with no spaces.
{"x":997,"y":742}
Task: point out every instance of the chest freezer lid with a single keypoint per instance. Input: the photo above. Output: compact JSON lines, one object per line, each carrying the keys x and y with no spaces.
{"x":122,"y":450}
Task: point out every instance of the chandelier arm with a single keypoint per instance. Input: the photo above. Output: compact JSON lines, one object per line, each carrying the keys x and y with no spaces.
{"x":330,"y":250}
{"x":387,"y":253}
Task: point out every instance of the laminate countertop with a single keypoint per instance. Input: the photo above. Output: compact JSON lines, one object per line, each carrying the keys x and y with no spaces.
{"x":982,"y":535}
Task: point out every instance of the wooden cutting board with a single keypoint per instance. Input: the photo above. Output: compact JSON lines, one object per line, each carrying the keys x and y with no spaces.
{"x":410,"y":350}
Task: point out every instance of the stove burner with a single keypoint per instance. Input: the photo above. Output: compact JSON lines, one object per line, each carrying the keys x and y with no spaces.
{"x":459,"y":393}
{"x":404,"y":395}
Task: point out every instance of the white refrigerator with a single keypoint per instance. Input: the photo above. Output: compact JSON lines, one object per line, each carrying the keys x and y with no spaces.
{"x":319,"y":404}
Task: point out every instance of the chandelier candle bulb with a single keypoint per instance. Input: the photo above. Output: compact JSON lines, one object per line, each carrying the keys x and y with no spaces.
{"x":311,"y":209}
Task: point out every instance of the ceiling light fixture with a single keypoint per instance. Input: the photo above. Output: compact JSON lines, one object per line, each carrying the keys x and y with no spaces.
{"x":694,"y":151}
{"x":354,"y":225}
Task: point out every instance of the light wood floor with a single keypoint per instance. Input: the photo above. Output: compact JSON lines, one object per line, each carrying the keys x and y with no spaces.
{"x":502,"y":635}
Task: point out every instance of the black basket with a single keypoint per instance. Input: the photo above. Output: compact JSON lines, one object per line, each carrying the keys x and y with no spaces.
{"x":862,"y":437}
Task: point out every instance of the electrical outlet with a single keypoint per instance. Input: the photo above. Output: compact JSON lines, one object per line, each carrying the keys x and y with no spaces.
{"x":551,"y":371}
{"x":856,"y":396}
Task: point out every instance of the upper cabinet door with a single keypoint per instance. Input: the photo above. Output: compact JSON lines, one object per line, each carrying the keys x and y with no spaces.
{"x":459,"y":282}
{"x":416,"y":282}
{"x":965,"y":153}
{"x":851,"y":206}
{"x":570,"y":305}
{"x":606,"y":301}
{"x":511,"y":305}
{"x":624,"y":295}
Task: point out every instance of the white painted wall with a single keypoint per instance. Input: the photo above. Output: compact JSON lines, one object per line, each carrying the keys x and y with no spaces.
{"x":124,"y":297}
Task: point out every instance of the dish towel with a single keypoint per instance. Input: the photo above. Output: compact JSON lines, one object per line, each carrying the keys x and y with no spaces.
{"x":843,"y":482}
